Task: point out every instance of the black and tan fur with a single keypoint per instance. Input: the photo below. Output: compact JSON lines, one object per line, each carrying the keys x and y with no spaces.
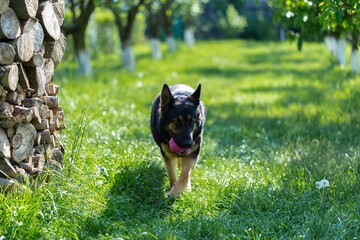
{"x":178,"y":113}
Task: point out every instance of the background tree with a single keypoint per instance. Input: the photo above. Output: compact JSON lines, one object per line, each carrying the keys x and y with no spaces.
{"x":76,"y":24}
{"x":343,"y":17}
{"x":300,"y":17}
{"x":125,"y":14}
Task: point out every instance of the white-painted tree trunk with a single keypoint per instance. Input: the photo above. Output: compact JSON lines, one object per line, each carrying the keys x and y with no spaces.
{"x":128,"y":58}
{"x":189,"y":36}
{"x":282,"y":33}
{"x":354,"y":61}
{"x":171,"y":42}
{"x":155,"y":48}
{"x":330,"y":42}
{"x":84,"y":63}
{"x":341,"y":51}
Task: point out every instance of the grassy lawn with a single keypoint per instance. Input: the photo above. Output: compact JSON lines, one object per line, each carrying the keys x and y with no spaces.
{"x":278,"y":121}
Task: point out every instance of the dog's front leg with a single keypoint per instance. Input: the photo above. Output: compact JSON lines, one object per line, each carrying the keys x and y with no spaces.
{"x":171,"y":169}
{"x":184,"y":181}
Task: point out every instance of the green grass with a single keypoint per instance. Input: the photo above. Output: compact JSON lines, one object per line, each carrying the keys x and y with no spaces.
{"x":277,"y":122}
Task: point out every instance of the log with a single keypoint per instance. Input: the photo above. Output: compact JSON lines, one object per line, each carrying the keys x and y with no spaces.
{"x":37,"y":60}
{"x":4,"y":4}
{"x":23,"y":79}
{"x":9,"y":25}
{"x":23,"y":141}
{"x":28,"y":167}
{"x":42,"y":125}
{"x":15,"y":97}
{"x":46,"y":137}
{"x":36,"y":79}
{"x":7,"y":54}
{"x":51,"y":101}
{"x":5,"y":151}
{"x":8,"y":184}
{"x":38,"y":161}
{"x":49,"y":68}
{"x":6,"y":169}
{"x":23,"y":113}
{"x":10,"y":132}
{"x":3,"y":93}
{"x":9,"y":77}
{"x":51,"y":89}
{"x":57,"y":155}
{"x":55,"y":50}
{"x":25,"y":9}
{"x":59,"y":9}
{"x":33,"y":102}
{"x":24,"y":48}
{"x":36,"y":114}
{"x":4,"y":106}
{"x":35,"y":30}
{"x":49,"y":21}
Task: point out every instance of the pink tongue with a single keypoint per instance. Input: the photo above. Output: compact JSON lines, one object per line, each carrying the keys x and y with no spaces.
{"x":177,"y":149}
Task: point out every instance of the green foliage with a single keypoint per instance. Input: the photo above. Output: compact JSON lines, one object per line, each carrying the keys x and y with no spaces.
{"x":300,"y":17}
{"x":277,"y":122}
{"x":337,"y":15}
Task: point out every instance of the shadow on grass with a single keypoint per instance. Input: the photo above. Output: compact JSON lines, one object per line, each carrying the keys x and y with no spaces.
{"x":136,"y":196}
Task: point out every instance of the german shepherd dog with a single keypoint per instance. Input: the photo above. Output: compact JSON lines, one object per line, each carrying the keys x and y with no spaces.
{"x":177,"y":123}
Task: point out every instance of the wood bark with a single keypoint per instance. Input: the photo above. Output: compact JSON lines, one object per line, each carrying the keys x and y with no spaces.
{"x":4,"y":145}
{"x":9,"y":25}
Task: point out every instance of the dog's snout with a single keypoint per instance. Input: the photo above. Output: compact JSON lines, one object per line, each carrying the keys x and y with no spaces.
{"x":187,"y":144}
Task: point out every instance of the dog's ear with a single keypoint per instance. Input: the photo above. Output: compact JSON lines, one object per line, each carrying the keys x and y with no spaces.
{"x":166,"y":98}
{"x":195,"y":97}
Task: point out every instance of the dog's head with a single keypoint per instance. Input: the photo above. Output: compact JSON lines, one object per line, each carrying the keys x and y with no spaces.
{"x":181,"y":115}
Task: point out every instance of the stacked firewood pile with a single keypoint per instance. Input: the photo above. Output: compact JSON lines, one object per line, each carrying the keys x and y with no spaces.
{"x":31,"y":46}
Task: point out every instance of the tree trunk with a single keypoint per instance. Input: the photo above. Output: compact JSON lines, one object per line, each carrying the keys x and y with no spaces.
{"x":154,"y":27}
{"x":125,"y":31}
{"x":77,"y":30}
{"x":330,"y":42}
{"x":354,"y":60}
{"x":155,"y":48}
{"x":341,"y":51}
{"x":82,"y":56}
{"x":171,"y":42}
{"x":128,"y":57}
{"x":189,"y":36}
